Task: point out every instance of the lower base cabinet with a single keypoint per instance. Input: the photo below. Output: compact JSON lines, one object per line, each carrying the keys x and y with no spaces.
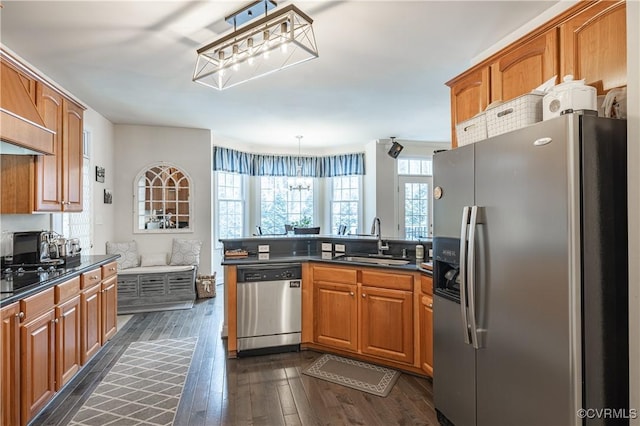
{"x":10,"y":316}
{"x":38,"y":348}
{"x":426,"y":333}
{"x":364,"y":311}
{"x":46,"y":338}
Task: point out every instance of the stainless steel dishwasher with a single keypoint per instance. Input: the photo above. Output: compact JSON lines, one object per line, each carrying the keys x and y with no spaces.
{"x":269,"y":308}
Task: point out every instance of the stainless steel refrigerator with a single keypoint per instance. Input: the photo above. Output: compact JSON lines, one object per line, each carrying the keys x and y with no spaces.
{"x":530,"y":277}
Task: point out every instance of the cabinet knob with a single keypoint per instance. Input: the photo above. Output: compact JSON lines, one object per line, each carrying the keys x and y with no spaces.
{"x":112,"y":269}
{"x":20,"y":315}
{"x":55,"y":321}
{"x":430,"y":305}
{"x":350,"y":293}
{"x":364,"y":295}
{"x":95,"y":277}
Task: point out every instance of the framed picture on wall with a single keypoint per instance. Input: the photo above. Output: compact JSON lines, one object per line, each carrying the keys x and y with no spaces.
{"x":99,"y":174}
{"x":108,"y":196}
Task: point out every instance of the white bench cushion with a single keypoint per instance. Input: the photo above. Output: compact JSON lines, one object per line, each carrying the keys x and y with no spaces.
{"x":155,"y":269}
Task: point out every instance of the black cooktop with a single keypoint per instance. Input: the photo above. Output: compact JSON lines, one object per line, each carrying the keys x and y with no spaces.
{"x":18,"y":277}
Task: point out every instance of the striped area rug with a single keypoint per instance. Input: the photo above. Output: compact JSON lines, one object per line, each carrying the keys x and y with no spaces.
{"x":143,"y":387}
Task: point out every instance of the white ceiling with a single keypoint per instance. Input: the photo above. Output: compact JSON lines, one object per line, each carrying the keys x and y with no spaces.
{"x":381,"y":70}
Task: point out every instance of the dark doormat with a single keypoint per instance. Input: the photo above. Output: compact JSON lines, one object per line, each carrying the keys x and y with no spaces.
{"x":354,"y":374}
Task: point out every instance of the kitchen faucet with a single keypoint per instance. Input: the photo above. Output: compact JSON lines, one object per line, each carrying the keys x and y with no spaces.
{"x":376,"y":224}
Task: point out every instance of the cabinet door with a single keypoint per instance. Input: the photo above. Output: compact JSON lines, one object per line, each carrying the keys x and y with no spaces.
{"x":10,"y":364}
{"x":109,"y":308}
{"x":426,"y":334}
{"x":469,"y":96}
{"x":72,"y":158}
{"x":386,"y":323}
{"x":594,"y":46}
{"x":336,"y":315}
{"x":37,"y":364}
{"x":68,"y":359}
{"x":48,"y":170}
{"x":522,"y":69}
{"x":90,"y":300}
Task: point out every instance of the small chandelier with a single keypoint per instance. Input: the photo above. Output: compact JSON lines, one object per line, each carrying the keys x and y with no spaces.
{"x":269,"y":44}
{"x":300,"y":183}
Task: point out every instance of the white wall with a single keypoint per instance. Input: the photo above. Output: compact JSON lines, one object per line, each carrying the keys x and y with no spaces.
{"x":381,"y":181}
{"x":101,"y":140}
{"x":136,"y":147}
{"x":633,"y":123}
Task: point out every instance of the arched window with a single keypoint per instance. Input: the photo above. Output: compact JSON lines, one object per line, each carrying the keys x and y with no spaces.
{"x":163,"y":200}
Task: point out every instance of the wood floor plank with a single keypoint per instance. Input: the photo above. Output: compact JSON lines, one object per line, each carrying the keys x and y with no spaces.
{"x":262,"y":390}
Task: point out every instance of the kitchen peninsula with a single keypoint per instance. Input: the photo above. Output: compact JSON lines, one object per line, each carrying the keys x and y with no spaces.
{"x":354,"y":301}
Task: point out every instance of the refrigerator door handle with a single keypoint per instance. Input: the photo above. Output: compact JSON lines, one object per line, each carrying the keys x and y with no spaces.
{"x":471,"y":273}
{"x":463,"y":273}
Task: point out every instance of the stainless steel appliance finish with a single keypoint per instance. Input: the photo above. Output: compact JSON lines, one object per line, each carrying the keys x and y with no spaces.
{"x":534,"y":224}
{"x":269,"y":310}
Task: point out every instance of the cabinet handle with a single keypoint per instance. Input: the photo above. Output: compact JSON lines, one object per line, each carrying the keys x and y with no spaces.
{"x":20,"y":315}
{"x":430,"y":305}
{"x":55,"y":321}
{"x":112,"y":269}
{"x":350,"y":293}
{"x":95,"y":277}
{"x":364,"y":294}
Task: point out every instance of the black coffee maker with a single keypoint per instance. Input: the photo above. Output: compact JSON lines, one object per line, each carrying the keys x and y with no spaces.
{"x":446,"y":267}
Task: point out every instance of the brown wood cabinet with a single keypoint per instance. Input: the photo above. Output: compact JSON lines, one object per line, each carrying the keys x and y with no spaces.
{"x":594,"y":45}
{"x":469,"y":96}
{"x":426,"y":333}
{"x":47,"y":183}
{"x":10,"y":364}
{"x":91,"y":322}
{"x":587,"y":41}
{"x":38,"y":353}
{"x":109,"y":309}
{"x":68,"y":319}
{"x":337,"y":314}
{"x":364,"y":311}
{"x":523,"y":68}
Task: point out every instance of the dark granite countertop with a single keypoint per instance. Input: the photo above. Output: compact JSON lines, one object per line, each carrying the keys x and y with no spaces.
{"x":253,"y":260}
{"x":41,"y":282}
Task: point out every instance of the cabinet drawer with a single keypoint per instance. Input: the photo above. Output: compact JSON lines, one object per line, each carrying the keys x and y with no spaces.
{"x":426,"y":284}
{"x":387,"y":280}
{"x":34,"y":305}
{"x":339,"y":275}
{"x":110,"y":269}
{"x":67,"y":290}
{"x":90,"y":278}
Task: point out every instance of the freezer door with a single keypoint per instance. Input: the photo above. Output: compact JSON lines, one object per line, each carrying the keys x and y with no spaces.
{"x":522,"y":284}
{"x":453,"y":179}
{"x":454,"y":382}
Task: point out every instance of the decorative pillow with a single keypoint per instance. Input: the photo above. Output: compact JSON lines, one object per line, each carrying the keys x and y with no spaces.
{"x":185,"y":252}
{"x":128,"y":254}
{"x":153,"y":259}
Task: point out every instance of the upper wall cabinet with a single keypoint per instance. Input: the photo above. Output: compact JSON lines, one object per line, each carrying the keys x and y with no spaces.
{"x":469,"y":96}
{"x":47,"y":183}
{"x":588,"y":41}
{"x":525,"y":67}
{"x":595,"y":46}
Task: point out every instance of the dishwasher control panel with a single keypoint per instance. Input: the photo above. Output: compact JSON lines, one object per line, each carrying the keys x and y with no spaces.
{"x":278,"y":272}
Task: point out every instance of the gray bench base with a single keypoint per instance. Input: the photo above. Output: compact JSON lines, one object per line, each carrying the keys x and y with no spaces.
{"x":156,"y":291}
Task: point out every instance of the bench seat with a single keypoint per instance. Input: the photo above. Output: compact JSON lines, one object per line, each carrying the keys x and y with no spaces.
{"x":156,"y":288}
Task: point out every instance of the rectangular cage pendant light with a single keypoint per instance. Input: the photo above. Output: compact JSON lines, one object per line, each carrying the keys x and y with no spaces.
{"x":271,"y":43}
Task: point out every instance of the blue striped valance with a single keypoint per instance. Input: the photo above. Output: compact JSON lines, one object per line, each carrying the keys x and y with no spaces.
{"x":230,"y":160}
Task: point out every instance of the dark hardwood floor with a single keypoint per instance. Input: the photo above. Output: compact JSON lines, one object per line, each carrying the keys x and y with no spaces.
{"x":261,"y":390}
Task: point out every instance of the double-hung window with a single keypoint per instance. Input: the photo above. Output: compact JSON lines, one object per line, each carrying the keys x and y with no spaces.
{"x":230,"y":205}
{"x":280,"y":205}
{"x":345,"y":203}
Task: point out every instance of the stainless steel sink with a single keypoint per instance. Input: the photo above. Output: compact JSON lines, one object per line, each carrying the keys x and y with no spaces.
{"x":374,"y":260}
